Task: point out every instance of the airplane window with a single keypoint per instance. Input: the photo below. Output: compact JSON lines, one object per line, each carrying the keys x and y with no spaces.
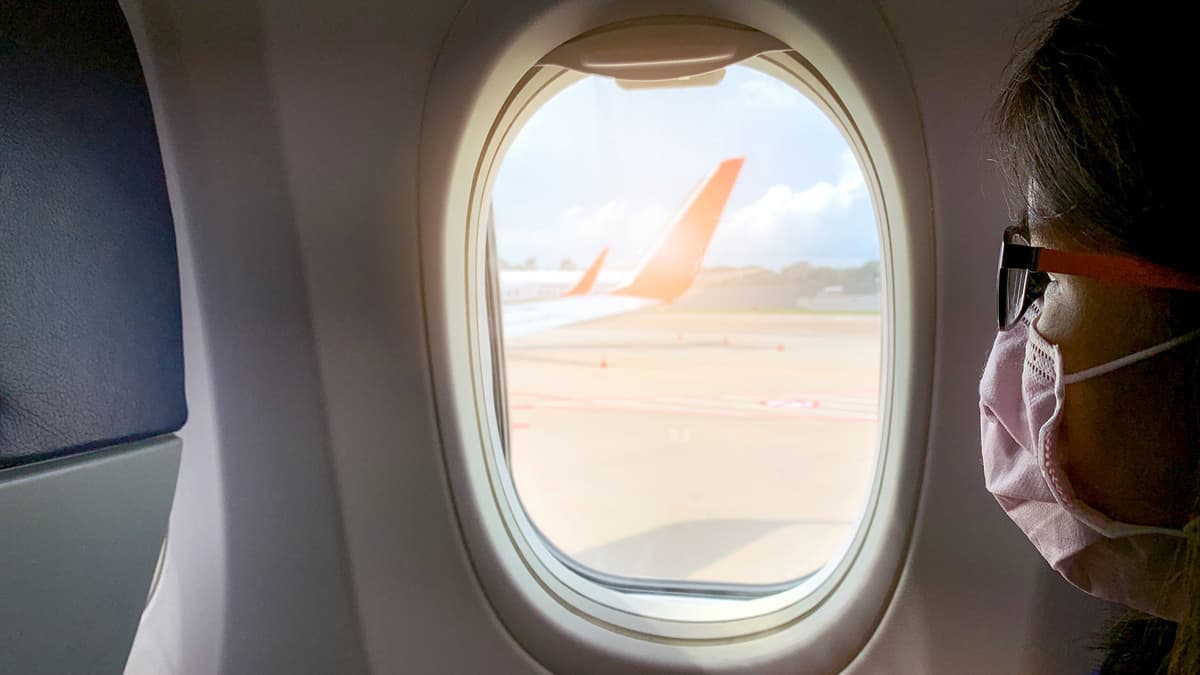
{"x":691,"y":300}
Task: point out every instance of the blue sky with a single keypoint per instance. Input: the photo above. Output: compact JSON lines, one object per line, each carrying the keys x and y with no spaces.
{"x":601,"y":166}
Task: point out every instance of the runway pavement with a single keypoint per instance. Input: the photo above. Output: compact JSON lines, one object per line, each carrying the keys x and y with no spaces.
{"x":728,"y":447}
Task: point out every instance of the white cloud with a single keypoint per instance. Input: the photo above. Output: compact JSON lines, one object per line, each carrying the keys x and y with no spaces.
{"x":825,"y":221}
{"x":781,"y":203}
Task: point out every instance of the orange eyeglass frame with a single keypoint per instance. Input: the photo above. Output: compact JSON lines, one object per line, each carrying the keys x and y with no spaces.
{"x":1017,"y":255}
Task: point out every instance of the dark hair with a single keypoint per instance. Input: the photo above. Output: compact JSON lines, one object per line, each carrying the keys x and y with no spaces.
{"x":1091,"y":131}
{"x":1093,"y":116}
{"x":1138,"y":645}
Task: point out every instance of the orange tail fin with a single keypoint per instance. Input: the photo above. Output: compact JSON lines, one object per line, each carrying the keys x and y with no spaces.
{"x":672,"y":267}
{"x":588,"y":280}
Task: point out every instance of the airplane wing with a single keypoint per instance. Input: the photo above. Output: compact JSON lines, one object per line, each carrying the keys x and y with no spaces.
{"x":664,"y":275}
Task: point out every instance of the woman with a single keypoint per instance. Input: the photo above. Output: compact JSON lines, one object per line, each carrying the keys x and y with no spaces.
{"x":1091,"y":396}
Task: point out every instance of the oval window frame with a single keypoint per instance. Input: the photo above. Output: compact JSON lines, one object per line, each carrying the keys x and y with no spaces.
{"x":513,"y":573}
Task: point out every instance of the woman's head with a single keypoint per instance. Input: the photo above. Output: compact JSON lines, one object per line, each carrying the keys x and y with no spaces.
{"x":1095,"y":140}
{"x":1091,"y":132}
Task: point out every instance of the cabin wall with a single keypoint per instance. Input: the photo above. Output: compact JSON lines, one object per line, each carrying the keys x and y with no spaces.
{"x":314,"y":529}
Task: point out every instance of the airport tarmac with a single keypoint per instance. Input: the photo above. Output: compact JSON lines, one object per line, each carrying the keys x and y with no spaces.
{"x":730,"y":447}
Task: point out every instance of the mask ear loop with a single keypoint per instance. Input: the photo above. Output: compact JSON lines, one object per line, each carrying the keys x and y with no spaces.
{"x":1192,"y":529}
{"x":1117,"y":364}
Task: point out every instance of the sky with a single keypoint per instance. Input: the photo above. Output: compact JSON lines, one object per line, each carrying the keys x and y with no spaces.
{"x":601,"y":166}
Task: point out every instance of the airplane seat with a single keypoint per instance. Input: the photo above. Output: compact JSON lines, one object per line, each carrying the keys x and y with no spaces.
{"x":91,"y":353}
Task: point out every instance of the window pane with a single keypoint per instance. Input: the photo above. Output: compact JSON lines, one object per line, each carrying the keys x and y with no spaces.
{"x":689,"y":404}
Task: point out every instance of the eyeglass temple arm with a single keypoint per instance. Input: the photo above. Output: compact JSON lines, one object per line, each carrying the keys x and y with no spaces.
{"x":1106,"y":268}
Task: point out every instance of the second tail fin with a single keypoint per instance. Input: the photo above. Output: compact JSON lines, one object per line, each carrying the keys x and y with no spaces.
{"x":588,"y":280}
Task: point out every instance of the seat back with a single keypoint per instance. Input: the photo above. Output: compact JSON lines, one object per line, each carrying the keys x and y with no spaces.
{"x":91,"y":357}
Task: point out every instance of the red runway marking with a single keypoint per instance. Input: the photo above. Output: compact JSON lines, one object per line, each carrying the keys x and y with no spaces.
{"x":790,"y":404}
{"x":808,"y":395}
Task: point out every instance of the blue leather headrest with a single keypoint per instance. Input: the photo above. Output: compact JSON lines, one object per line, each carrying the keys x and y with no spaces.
{"x":91,"y":349}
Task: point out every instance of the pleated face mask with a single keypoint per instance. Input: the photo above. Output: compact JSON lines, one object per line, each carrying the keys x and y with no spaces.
{"x":1021,"y":404}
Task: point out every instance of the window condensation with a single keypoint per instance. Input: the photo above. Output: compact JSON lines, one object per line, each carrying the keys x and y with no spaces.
{"x":712,"y":435}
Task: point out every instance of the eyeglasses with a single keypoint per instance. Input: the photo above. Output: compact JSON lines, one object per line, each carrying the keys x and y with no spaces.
{"x":1024,"y":270}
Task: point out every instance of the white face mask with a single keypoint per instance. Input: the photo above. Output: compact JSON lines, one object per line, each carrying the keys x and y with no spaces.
{"x":1021,"y":402}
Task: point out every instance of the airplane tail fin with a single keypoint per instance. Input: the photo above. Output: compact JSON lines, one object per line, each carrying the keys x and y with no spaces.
{"x":672,"y":267}
{"x":588,"y":280}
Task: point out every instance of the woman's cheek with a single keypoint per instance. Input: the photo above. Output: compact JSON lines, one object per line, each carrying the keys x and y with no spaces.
{"x":1059,"y":314}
